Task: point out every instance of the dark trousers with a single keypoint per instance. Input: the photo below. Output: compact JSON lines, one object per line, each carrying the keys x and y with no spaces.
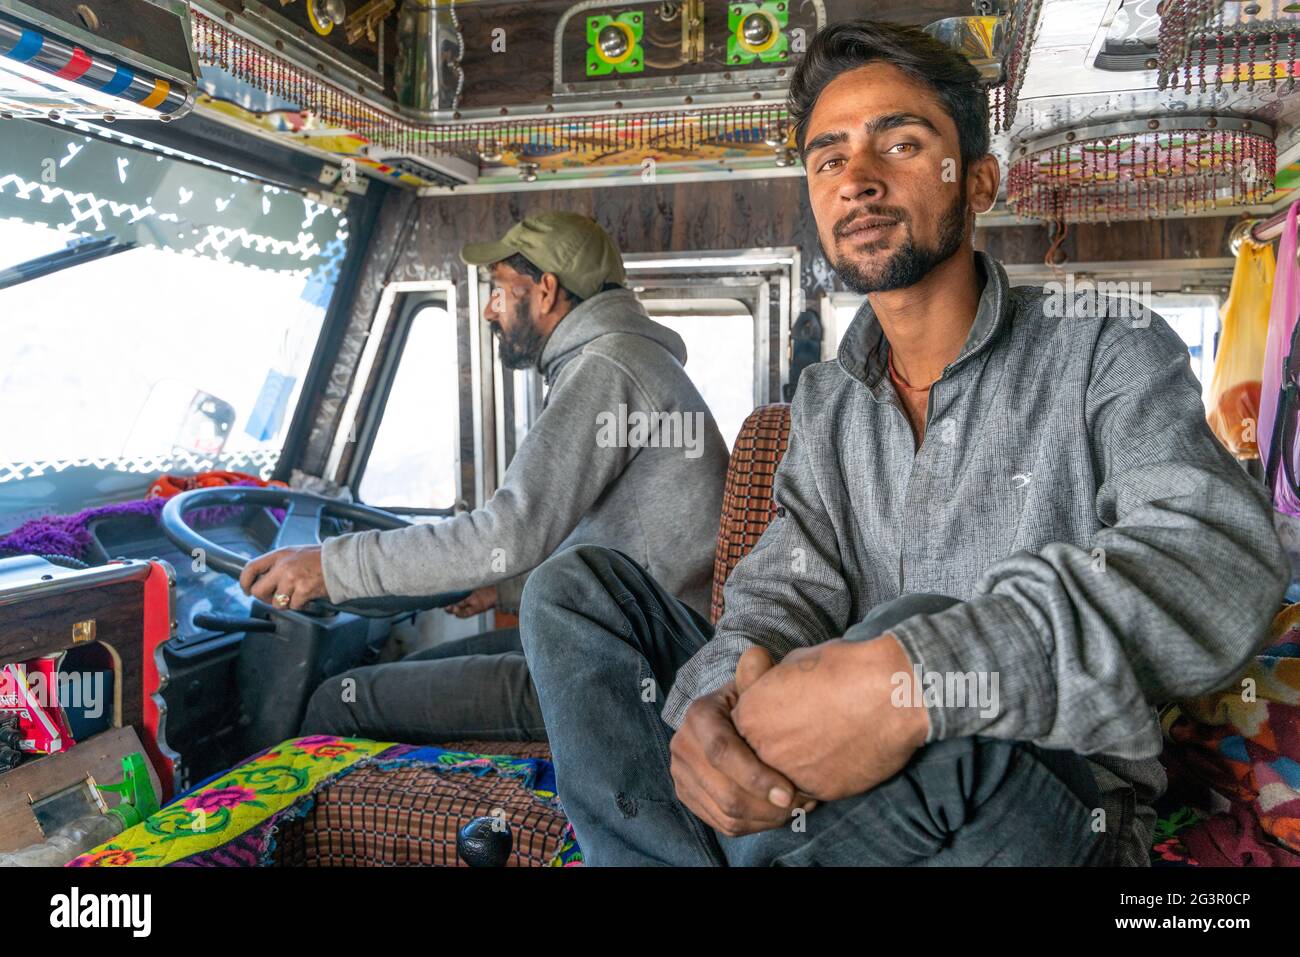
{"x":475,"y":687}
{"x":597,"y":626}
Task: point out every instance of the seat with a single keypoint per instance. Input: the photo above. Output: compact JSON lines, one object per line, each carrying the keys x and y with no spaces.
{"x":407,"y":813}
{"x":747,"y":505}
{"x":409,"y":816}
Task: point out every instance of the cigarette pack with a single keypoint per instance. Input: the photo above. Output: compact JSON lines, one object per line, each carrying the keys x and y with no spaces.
{"x":30,"y":690}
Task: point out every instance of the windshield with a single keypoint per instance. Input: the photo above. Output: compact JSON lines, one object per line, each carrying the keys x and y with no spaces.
{"x":187,"y":347}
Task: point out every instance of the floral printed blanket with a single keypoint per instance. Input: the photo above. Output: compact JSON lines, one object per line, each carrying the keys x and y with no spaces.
{"x":231,"y":820}
{"x":1235,"y":754}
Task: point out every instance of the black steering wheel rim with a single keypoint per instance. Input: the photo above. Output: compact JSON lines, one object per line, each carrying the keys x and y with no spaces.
{"x":303,"y":511}
{"x":183,"y":535}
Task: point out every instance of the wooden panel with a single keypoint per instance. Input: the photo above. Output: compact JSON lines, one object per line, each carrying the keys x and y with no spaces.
{"x":43,"y":626}
{"x":99,"y":756}
{"x":522,"y":73}
{"x":916,"y":12}
{"x":18,"y":826}
{"x":1194,"y":238}
{"x":745,"y":214}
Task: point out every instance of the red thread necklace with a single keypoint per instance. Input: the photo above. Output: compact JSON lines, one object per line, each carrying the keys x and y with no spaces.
{"x":900,"y":381}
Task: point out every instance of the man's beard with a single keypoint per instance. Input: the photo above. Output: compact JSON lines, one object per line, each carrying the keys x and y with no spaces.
{"x":521,"y":347}
{"x":910,"y":263}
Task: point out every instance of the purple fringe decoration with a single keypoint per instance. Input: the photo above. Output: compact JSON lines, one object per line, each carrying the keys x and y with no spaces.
{"x":70,"y":534}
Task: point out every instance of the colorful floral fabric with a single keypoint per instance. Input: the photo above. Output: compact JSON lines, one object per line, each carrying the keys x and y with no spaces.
{"x":1242,"y":744}
{"x":1167,"y":848}
{"x":229,"y":820}
{"x":232,"y":819}
{"x":569,"y":854}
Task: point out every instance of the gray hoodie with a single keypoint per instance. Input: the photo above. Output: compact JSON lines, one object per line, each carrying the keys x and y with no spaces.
{"x":625,"y":454}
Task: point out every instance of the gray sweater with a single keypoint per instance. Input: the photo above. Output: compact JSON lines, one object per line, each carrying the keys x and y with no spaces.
{"x":1111,"y":555}
{"x":624,"y":454}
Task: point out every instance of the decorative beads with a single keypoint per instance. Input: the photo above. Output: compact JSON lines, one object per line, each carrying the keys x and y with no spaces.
{"x":1141,"y":175}
{"x":1194,"y":32}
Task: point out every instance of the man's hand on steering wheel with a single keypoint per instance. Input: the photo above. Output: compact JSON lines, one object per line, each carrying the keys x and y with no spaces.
{"x":287,"y":578}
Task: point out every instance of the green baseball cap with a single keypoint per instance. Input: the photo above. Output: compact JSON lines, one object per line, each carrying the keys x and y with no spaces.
{"x":573,"y":247}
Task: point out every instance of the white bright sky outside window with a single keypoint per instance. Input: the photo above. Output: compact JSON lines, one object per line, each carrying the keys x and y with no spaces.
{"x":102,"y":360}
{"x":412,"y":462}
{"x":720,"y":362}
{"x":1194,"y":317}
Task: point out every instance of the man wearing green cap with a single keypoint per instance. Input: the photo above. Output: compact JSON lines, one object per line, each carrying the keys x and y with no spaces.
{"x":625,"y":454}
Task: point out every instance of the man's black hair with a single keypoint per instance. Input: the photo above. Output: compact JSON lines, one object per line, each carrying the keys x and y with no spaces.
{"x":854,"y":43}
{"x":522,"y":264}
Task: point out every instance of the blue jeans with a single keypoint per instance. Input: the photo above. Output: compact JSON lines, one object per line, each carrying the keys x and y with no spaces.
{"x":597,"y":627}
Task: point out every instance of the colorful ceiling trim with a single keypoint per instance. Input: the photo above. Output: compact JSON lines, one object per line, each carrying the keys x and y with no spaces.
{"x":331,"y":119}
{"x":44,"y":75}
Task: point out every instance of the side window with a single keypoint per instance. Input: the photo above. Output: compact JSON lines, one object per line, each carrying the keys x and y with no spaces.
{"x":719,"y":337}
{"x":837,"y":314}
{"x":414,"y":459}
{"x":1196,"y":319}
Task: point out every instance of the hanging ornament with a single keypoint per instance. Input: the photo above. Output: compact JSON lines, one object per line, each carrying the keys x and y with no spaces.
{"x":1242,"y":41}
{"x":1143,"y":169}
{"x":1024,"y":18}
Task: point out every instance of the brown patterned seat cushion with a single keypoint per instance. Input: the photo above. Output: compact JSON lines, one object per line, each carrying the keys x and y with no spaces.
{"x":410,"y":815}
{"x":747,"y":496}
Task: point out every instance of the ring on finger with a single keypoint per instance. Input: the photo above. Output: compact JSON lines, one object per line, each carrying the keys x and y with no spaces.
{"x":282,"y":600}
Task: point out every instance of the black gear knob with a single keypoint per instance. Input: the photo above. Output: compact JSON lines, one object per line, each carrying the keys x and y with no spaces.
{"x":485,"y":842}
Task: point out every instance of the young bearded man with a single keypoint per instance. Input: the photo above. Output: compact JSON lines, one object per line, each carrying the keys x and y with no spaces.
{"x":625,"y":453}
{"x":1000,"y":539}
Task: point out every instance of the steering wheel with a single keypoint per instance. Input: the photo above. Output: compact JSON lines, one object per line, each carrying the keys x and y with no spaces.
{"x":301,"y":526}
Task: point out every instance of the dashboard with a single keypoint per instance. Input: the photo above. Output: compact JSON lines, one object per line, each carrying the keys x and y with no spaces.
{"x":207,"y":590}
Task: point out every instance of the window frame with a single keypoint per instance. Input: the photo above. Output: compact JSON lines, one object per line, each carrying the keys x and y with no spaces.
{"x":399,"y":305}
{"x":337,"y":317}
{"x":766,"y":280}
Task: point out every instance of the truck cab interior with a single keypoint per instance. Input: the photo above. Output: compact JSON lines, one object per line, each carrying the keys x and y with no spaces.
{"x":235,"y":318}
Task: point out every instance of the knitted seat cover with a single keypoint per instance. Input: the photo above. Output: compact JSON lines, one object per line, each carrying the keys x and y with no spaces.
{"x":385,"y":817}
{"x":747,"y":496}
